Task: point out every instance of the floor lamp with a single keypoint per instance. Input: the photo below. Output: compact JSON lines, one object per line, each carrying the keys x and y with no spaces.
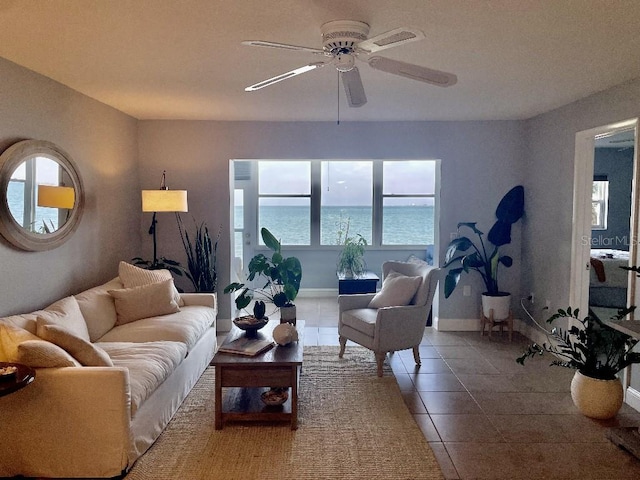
{"x":162,"y":200}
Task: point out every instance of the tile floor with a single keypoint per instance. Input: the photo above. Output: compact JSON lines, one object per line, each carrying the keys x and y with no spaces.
{"x":487,"y":417}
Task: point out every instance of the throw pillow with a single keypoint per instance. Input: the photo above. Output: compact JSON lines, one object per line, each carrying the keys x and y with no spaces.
{"x":66,"y":313}
{"x":397,"y":290}
{"x":132,"y":276}
{"x":10,"y":337}
{"x":85,"y":352}
{"x":43,"y":354}
{"x":147,"y":301}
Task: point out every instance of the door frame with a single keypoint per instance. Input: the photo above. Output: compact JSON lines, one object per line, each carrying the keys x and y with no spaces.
{"x":581,"y":232}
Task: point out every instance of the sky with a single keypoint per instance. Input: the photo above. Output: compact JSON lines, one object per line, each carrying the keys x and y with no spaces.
{"x":348,"y":183}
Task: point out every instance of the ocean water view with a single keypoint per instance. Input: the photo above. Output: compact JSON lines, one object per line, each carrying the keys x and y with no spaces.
{"x":15,"y":200}
{"x":402,"y":225}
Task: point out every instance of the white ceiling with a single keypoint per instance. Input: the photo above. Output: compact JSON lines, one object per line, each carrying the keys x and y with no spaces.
{"x":182,"y":59}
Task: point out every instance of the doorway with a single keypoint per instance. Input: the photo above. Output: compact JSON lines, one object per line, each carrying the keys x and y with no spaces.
{"x":606,"y":226}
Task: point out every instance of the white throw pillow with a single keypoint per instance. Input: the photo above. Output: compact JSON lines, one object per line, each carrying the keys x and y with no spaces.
{"x":132,"y":276}
{"x":142,"y":302}
{"x":66,"y":313}
{"x":397,"y":290}
{"x":84,"y":352}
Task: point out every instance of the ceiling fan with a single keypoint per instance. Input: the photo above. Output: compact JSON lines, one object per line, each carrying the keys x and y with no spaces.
{"x":344,"y":42}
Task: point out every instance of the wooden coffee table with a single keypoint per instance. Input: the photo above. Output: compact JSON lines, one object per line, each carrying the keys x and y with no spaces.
{"x":242,"y":377}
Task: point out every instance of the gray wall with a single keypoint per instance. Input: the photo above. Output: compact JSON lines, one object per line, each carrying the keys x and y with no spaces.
{"x":481,"y":161}
{"x":103,"y":144}
{"x":617,"y":166}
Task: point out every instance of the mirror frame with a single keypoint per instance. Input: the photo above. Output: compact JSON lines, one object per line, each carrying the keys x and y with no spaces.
{"x":18,"y":236}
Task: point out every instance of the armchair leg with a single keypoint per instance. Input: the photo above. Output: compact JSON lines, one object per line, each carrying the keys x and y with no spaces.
{"x":380,"y":361}
{"x":416,"y":354}
{"x":343,"y":344}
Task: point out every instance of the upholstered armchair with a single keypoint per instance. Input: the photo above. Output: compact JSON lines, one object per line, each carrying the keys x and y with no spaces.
{"x":394,"y":318}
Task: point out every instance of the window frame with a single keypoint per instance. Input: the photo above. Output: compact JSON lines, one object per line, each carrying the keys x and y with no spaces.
{"x":601,"y":204}
{"x":315,"y":198}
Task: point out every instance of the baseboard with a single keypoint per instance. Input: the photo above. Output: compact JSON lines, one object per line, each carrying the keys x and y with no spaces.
{"x":632,"y":398}
{"x":317,"y":292}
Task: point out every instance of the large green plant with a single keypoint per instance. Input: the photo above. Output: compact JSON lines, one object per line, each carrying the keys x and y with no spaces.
{"x":484,"y":258}
{"x":592,"y":347}
{"x":281,"y":276}
{"x":201,"y":253}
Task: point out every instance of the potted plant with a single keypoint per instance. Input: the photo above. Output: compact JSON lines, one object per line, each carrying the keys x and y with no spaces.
{"x":597,"y":352}
{"x":351,"y":262}
{"x":484,"y":258}
{"x":201,"y":257}
{"x":281,"y":275}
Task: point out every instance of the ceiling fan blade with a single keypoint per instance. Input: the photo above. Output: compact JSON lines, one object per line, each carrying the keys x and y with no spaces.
{"x":282,"y":46}
{"x":414,"y":72}
{"x":392,"y":38}
{"x":353,"y":87}
{"x":284,"y":76}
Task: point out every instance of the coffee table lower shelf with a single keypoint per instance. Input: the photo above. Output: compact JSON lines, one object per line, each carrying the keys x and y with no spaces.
{"x":245,"y":405}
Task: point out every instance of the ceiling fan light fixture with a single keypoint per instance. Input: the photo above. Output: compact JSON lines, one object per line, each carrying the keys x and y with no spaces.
{"x":345,"y":62}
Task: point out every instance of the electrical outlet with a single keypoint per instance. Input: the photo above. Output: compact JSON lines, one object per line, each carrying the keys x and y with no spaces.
{"x":466,"y":290}
{"x":532,"y":298}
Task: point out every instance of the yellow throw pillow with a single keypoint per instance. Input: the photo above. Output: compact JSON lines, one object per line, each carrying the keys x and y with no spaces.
{"x":132,"y":276}
{"x":84,"y":352}
{"x":10,"y":337}
{"x":397,"y":290}
{"x":142,"y":302}
{"x":43,"y":354}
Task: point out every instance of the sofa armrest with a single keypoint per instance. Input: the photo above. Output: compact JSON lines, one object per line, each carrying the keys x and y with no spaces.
{"x":67,"y":421}
{"x":202,"y":299}
{"x":351,"y":302}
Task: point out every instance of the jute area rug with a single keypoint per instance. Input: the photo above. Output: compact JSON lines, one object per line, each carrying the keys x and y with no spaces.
{"x":351,"y":425}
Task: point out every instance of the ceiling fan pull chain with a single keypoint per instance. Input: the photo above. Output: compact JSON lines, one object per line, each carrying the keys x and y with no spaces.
{"x":338,"y":92}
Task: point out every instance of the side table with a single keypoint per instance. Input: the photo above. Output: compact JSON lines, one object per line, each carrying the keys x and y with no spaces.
{"x":23,"y":377}
{"x":365,"y":283}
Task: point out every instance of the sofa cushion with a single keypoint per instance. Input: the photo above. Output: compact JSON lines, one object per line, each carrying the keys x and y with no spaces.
{"x":361,"y":319}
{"x":25,"y":320}
{"x":132,"y":276}
{"x":98,"y":308}
{"x":146,"y":301}
{"x":43,"y":354}
{"x":84,"y":352}
{"x":66,"y":313}
{"x":149,"y":365}
{"x":397,"y":290}
{"x":186,"y":326}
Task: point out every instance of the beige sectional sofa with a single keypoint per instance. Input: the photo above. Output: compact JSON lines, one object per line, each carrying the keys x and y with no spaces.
{"x":100,"y":402}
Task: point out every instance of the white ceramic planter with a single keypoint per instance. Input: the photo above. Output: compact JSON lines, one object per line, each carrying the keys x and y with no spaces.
{"x":500,"y":305}
{"x":596,"y":398}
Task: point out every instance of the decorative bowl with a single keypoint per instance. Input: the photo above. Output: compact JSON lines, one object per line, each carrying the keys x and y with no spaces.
{"x":250,"y":324}
{"x":8,"y":372}
{"x":275,"y":396}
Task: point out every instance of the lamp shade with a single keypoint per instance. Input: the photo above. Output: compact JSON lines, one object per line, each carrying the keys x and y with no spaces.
{"x":55,"y":196}
{"x":164,"y":201}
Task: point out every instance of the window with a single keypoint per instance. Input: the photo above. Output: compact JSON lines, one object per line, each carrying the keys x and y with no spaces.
{"x":319,"y":202}
{"x":346,"y":205}
{"x":284,"y":200}
{"x":599,"y":203}
{"x":408,"y":202}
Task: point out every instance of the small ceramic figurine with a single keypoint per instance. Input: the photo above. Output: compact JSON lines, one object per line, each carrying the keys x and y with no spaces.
{"x":285,"y":333}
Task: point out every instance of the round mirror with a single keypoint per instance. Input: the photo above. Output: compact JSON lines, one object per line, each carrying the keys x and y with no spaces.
{"x":41,"y":193}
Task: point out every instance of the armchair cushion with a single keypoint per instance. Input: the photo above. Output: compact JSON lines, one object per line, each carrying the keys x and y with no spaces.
{"x":361,"y":319}
{"x":397,"y":290}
